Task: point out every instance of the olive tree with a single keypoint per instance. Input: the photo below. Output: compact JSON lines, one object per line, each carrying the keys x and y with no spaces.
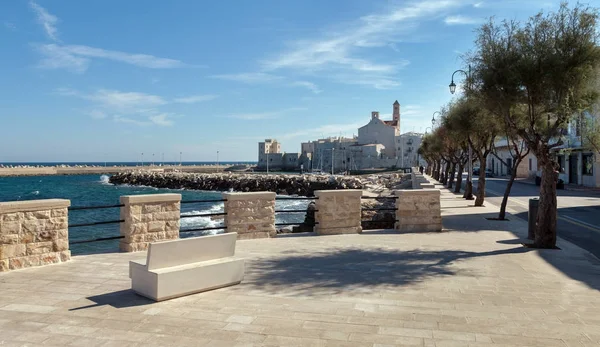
{"x":537,"y":75}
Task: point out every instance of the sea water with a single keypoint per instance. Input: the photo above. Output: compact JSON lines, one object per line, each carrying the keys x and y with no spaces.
{"x":95,"y":190}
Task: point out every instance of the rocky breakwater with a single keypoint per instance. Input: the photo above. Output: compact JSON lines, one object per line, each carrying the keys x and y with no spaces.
{"x":303,"y":185}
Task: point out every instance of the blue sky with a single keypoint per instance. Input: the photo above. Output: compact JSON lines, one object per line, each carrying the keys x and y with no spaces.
{"x":108,"y":80}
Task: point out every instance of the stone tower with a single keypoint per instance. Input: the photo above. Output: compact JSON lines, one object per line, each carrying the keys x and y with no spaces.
{"x":396,"y":114}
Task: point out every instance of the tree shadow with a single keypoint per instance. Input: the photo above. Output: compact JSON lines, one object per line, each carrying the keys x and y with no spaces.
{"x":120,"y":299}
{"x":356,"y":269}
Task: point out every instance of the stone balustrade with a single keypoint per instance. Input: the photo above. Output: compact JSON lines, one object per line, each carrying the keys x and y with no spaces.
{"x":251,"y":215}
{"x":418,"y":210}
{"x":338,"y":211}
{"x":149,"y":218}
{"x":33,"y":233}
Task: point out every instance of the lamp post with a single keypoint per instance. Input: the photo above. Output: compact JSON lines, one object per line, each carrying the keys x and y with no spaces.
{"x":217,"y":158}
{"x":332,"y":150}
{"x":180,"y":158}
{"x":142,"y":159}
{"x":469,"y":189}
{"x":433,"y":119}
{"x":426,"y":130}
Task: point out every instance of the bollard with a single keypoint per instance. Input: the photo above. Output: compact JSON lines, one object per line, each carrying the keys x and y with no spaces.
{"x":532,"y":217}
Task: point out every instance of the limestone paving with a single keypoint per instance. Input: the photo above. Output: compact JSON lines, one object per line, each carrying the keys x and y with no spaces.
{"x":471,"y":285}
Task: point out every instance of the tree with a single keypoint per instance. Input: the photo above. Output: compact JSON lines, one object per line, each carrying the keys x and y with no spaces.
{"x":468,"y":117}
{"x":539,"y":76}
{"x":518,"y":151}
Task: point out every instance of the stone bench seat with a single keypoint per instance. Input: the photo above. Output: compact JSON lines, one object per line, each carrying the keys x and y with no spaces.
{"x":187,"y":266}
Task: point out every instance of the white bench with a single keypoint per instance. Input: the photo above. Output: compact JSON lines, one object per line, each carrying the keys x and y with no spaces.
{"x":187,"y":266}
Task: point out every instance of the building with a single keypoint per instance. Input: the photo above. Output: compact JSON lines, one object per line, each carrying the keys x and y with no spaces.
{"x":379,"y":144}
{"x":578,"y":164}
{"x":407,"y":146}
{"x":501,"y":163}
{"x":382,"y":132}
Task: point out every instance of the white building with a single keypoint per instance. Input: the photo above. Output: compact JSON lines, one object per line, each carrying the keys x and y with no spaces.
{"x":382,"y":132}
{"x":407,"y":146}
{"x":378,"y":145}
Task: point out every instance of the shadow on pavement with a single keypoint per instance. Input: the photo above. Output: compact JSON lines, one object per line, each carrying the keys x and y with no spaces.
{"x":119,"y":299}
{"x":342,"y":270}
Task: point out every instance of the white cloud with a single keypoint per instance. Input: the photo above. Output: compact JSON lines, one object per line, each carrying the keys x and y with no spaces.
{"x":325,"y":130}
{"x":97,"y":114}
{"x":478,"y":4}
{"x":161,"y":119}
{"x":340,"y":52}
{"x":249,"y":77}
{"x":308,"y":85}
{"x":125,"y":101}
{"x":57,"y":58}
{"x":195,"y":98}
{"x":77,"y":58}
{"x":462,"y":20}
{"x":9,"y":25}
{"x":47,"y":20}
{"x":254,"y":116}
{"x":121,"y":119}
{"x":265,"y":115}
{"x":126,"y":107}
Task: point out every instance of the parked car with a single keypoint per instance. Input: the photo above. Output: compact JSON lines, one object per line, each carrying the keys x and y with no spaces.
{"x":476,"y":171}
{"x":489,"y":173}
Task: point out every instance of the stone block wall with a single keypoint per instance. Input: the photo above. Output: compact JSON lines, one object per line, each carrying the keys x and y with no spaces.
{"x":250,"y":215}
{"x":149,"y":218}
{"x":418,"y":210}
{"x":338,"y":211}
{"x":33,"y":233}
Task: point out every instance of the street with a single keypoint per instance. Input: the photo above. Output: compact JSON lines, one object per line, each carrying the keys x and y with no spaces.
{"x":578,"y":211}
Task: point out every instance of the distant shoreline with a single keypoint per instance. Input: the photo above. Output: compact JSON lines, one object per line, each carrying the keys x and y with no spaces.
{"x":99,"y":170}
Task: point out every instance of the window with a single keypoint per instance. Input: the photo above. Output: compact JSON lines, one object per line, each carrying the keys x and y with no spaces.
{"x":587,"y":164}
{"x":529,"y":164}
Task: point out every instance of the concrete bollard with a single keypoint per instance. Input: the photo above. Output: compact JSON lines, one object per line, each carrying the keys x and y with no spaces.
{"x":250,"y":215}
{"x":149,"y":218}
{"x":338,"y":211}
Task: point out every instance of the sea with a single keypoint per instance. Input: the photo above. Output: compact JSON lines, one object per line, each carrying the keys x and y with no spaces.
{"x":95,"y":190}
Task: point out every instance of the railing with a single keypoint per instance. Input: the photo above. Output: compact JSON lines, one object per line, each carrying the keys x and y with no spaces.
{"x":217,"y":214}
{"x":297,"y":198}
{"x":79,"y":225}
{"x":388,"y":209}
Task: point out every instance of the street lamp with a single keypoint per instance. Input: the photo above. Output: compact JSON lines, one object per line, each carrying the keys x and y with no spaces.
{"x":217,"y":158}
{"x":426,"y":130}
{"x":433,"y":119}
{"x":142,"y":159}
{"x":180,"y":158}
{"x":469,"y":190}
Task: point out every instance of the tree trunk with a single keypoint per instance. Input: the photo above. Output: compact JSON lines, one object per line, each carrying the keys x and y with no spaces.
{"x":513,"y":175}
{"x":459,"y":178}
{"x":452,"y":173}
{"x":545,"y":231}
{"x":480,"y":196}
{"x":446,"y":173}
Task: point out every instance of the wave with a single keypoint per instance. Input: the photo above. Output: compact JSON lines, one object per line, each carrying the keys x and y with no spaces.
{"x":105,"y":179}
{"x":35,"y":192}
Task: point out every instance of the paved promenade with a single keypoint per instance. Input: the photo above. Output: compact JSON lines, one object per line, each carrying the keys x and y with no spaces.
{"x":472,"y":285}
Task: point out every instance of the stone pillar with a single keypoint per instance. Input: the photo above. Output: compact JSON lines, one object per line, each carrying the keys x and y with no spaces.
{"x":149,"y":218}
{"x":251,"y":215}
{"x":418,"y":210}
{"x":338,"y":211}
{"x":33,"y":233}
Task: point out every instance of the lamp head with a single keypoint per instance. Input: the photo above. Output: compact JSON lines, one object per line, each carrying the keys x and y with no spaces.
{"x":452,"y":87}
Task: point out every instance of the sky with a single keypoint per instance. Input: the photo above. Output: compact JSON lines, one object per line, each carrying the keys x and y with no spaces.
{"x":109,"y":80}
